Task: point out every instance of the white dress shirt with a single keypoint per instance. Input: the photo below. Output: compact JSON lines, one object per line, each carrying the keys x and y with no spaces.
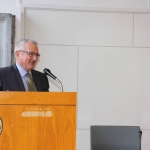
{"x":23,"y":76}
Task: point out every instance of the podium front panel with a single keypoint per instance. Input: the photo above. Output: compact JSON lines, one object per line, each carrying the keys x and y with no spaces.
{"x":37,"y":127}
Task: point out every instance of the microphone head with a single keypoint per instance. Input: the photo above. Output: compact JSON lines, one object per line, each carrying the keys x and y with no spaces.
{"x":48,"y":72}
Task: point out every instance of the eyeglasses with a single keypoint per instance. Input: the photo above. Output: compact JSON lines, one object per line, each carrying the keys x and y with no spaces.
{"x":31,"y":54}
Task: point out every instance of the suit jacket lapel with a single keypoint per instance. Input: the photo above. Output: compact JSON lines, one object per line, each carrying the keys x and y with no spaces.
{"x":18,"y":84}
{"x":36,"y":81}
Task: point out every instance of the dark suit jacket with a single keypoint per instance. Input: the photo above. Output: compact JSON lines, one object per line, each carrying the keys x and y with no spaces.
{"x":10,"y":79}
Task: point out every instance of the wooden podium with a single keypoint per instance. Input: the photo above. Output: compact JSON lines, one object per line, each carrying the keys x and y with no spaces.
{"x":37,"y":120}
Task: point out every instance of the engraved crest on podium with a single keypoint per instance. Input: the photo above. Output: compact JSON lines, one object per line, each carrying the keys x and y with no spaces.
{"x":1,"y":126}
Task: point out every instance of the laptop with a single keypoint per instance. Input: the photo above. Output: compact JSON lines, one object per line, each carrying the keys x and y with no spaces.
{"x":115,"y":137}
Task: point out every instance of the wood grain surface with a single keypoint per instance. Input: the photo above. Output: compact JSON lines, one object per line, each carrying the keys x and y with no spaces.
{"x":49,"y":126}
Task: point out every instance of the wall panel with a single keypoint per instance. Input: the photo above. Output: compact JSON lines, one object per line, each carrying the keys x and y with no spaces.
{"x":93,"y":3}
{"x":142,"y":30}
{"x":145,"y":140}
{"x":79,"y":27}
{"x":113,"y":86}
{"x":83,"y":140}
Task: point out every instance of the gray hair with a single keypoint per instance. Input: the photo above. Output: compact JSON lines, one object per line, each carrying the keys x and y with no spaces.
{"x":20,"y":44}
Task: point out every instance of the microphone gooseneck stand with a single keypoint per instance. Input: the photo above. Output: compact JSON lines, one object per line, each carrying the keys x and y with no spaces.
{"x":59,"y":83}
{"x":48,"y":72}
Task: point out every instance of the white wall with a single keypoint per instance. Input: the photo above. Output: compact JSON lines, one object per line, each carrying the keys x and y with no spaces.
{"x":98,"y":51}
{"x":12,"y":7}
{"x":94,"y":3}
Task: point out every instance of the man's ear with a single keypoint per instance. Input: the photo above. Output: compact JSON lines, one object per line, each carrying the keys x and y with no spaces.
{"x":16,"y":53}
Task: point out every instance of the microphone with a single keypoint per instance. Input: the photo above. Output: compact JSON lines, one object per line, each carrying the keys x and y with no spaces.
{"x":48,"y":72}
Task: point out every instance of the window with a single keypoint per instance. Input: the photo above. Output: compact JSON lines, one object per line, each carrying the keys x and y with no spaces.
{"x":7,"y":36}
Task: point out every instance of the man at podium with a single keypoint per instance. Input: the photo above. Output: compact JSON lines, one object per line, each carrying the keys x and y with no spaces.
{"x":21,"y":76}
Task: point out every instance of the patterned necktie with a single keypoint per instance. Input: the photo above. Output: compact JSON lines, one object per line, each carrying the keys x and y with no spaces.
{"x":30,"y":83}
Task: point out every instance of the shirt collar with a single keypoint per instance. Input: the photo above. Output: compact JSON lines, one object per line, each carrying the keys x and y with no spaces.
{"x":21,"y":70}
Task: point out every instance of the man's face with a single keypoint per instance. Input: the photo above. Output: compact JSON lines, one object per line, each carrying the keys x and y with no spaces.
{"x":26,"y":61}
